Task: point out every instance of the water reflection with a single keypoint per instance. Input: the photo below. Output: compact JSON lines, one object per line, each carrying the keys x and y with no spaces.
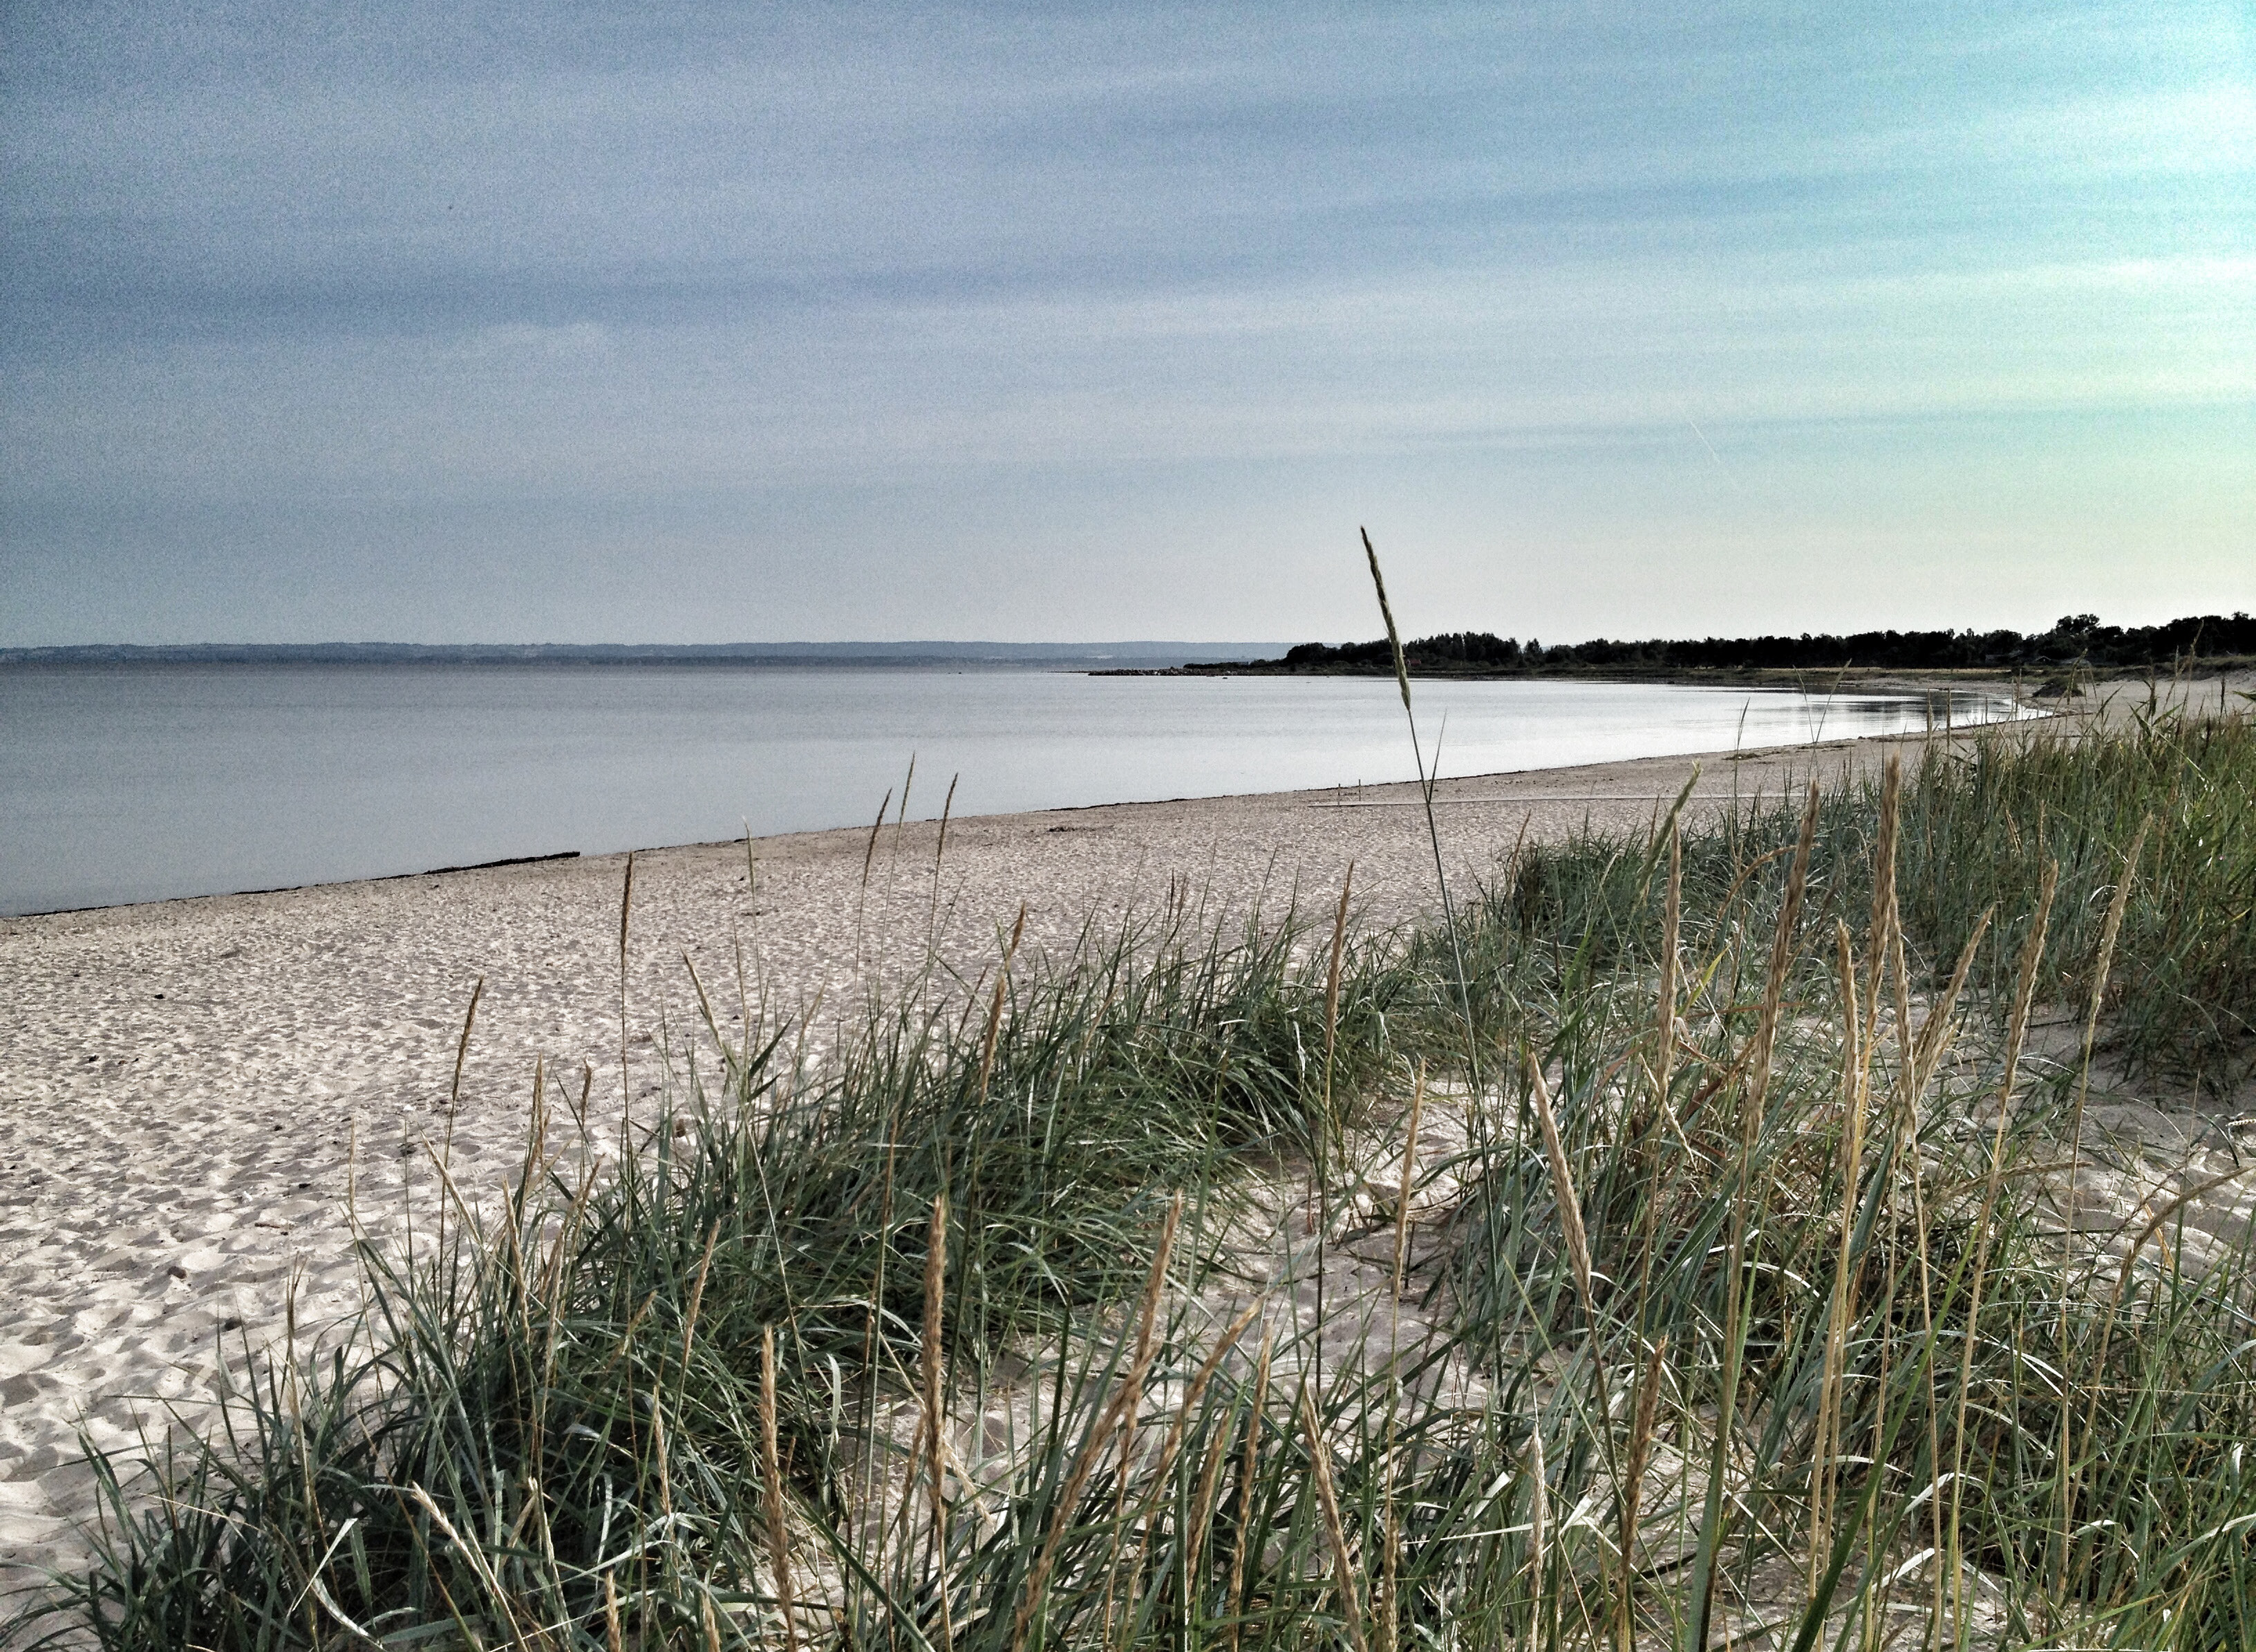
{"x":133,"y":784}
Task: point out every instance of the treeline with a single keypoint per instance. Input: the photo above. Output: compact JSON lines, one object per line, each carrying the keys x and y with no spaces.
{"x":2077,"y":641}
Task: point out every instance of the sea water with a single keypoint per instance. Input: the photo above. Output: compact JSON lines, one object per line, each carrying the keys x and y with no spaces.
{"x":145,"y":782}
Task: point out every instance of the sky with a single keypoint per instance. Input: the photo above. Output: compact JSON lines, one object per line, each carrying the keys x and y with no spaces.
{"x":432,"y":322}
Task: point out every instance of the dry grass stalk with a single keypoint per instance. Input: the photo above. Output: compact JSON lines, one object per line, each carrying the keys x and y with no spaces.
{"x":1735,"y":1267}
{"x":1390,"y":1559}
{"x":1210,"y":1486}
{"x":1402,"y":1194}
{"x":1164,"y":1465}
{"x":2147,"y":1235}
{"x":1539,"y":1516}
{"x":1386,"y":613}
{"x":1934,"y":1036}
{"x":939,"y":855}
{"x":1332,"y":985}
{"x":1884,"y":891}
{"x":1824,"y":1455}
{"x":1781,"y":959}
{"x":934,"y":1434}
{"x":462,"y":1045}
{"x":870,"y":855}
{"x":1192,"y":1395}
{"x":1132,"y":1400}
{"x":1664,"y":1060}
{"x":480,"y":1567}
{"x":901,"y":815}
{"x":1562,"y":1186}
{"x":729,"y":1057}
{"x":772,"y":1469}
{"x":1248,"y":1477}
{"x":1433,"y":827}
{"x":697,"y":1296}
{"x":1122,"y":1408}
{"x":1389,"y":1564}
{"x":1320,"y":1464}
{"x":2109,"y":931}
{"x":626,"y":1087}
{"x":1640,"y":1450}
{"x":995,"y":1006}
{"x":1325,"y":1126}
{"x":2025,"y":988}
{"x":1671,"y":922}
{"x":529,"y":1169}
{"x":1934,"y":1039}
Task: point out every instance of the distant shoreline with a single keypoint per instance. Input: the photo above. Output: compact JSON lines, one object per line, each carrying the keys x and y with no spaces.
{"x":1149,"y":653}
{"x":1867,"y":680}
{"x":2033,"y":685}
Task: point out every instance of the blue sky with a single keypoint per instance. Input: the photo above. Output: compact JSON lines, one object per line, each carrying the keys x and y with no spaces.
{"x":604,"y":323}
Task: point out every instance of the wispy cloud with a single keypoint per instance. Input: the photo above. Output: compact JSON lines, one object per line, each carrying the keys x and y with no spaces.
{"x":920,"y":263}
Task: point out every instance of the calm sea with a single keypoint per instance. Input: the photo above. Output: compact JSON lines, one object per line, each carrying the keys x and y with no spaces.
{"x":141,"y":783}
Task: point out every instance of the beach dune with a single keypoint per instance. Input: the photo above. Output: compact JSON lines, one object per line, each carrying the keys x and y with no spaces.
{"x":204,"y":1096}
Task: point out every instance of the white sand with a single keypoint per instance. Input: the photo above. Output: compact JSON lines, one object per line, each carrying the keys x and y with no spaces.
{"x":182,"y":1080}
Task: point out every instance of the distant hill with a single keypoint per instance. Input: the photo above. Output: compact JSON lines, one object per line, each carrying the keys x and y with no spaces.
{"x":1063,"y":654}
{"x":2078,"y":640}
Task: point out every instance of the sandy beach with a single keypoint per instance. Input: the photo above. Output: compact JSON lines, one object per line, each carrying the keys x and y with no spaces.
{"x":192,"y":1087}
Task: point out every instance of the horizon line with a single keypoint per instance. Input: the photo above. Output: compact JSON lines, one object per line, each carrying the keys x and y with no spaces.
{"x":802,"y":647}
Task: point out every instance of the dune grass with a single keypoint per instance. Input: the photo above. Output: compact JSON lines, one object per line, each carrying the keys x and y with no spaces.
{"x":1751,"y":1311}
